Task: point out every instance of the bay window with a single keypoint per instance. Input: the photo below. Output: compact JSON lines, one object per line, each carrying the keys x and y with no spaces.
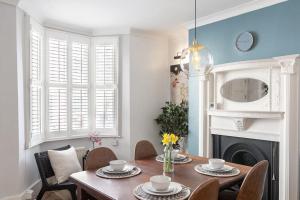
{"x":73,"y":85}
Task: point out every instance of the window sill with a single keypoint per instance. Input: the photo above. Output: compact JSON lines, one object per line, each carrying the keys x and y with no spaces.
{"x":53,"y":139}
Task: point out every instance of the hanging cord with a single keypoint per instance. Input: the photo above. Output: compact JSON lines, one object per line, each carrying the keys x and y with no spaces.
{"x":195,"y":31}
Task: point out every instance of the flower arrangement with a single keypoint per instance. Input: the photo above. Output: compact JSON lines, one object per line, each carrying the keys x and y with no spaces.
{"x":168,"y":140}
{"x":95,"y":138}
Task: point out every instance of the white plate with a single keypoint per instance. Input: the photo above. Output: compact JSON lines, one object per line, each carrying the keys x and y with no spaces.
{"x":180,"y":157}
{"x":126,"y":169}
{"x":174,"y":188}
{"x":226,"y":168}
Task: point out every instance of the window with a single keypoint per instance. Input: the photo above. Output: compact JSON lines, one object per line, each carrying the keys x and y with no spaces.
{"x":57,"y":86}
{"x":79,"y":93}
{"x":35,"y":82}
{"x":80,"y":86}
{"x":106,"y":84}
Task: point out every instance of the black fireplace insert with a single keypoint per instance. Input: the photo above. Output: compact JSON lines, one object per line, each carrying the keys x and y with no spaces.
{"x":249,"y":152}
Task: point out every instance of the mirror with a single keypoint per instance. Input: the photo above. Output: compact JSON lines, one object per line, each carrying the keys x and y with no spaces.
{"x":244,"y":90}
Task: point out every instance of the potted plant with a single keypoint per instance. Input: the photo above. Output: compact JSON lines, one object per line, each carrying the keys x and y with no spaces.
{"x":174,"y":119}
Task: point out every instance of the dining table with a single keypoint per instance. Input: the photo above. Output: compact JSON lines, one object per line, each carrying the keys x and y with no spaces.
{"x":90,"y":186}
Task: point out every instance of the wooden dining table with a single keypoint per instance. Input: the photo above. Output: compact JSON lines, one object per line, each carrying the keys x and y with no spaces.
{"x":90,"y":186}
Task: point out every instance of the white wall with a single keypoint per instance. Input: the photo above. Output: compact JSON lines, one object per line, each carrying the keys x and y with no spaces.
{"x":177,"y":42}
{"x":149,"y":85}
{"x":8,"y":102}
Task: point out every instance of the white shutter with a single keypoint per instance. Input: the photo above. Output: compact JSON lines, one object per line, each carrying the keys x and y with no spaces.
{"x":105,"y":64}
{"x":57,"y":85}
{"x":35,"y":83}
{"x":80,"y":83}
{"x":57,"y":61}
{"x":106,"y":106}
{"x":57,"y":109}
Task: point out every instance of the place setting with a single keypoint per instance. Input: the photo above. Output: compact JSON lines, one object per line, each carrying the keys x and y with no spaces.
{"x":218,"y":168}
{"x":118,"y":169}
{"x":161,"y":187}
{"x":177,"y":158}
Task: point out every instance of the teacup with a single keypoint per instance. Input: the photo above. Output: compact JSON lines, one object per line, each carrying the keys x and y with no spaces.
{"x":215,"y":163}
{"x":160,"y":182}
{"x":117,"y":165}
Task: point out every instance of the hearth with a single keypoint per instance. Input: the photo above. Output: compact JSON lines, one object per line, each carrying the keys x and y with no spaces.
{"x":249,"y":152}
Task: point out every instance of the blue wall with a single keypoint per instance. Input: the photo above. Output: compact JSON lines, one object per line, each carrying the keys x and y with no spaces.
{"x":277,"y":30}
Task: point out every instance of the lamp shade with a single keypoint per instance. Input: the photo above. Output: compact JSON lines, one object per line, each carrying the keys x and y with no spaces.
{"x":200,"y":58}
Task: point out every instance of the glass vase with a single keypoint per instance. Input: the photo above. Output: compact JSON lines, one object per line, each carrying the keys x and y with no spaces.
{"x":168,"y":159}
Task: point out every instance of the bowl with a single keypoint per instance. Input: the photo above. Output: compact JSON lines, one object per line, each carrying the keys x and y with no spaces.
{"x":174,"y":153}
{"x":215,"y":163}
{"x":160,"y":182}
{"x":117,"y":165}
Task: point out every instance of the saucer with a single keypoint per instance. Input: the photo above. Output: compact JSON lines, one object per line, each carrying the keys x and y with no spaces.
{"x":126,"y":169}
{"x":174,"y":188}
{"x":226,"y":168}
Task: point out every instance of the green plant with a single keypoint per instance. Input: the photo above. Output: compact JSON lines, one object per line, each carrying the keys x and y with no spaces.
{"x":174,"y":119}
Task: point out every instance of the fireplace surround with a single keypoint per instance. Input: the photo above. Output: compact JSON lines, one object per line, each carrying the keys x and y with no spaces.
{"x":268,"y":126}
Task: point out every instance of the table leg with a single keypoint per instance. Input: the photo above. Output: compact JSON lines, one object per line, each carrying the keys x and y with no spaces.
{"x":81,"y":194}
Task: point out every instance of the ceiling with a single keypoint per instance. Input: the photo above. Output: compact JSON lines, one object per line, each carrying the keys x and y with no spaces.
{"x":151,"y":15}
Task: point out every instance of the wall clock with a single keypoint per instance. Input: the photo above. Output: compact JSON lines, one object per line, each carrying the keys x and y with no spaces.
{"x":244,"y":42}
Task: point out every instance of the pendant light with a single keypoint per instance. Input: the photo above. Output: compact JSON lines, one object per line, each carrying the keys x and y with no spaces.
{"x":200,"y":57}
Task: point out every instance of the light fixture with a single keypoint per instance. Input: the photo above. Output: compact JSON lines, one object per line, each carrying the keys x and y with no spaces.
{"x":200,"y":57}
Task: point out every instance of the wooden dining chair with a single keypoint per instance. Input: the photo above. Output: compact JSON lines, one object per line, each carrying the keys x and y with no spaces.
{"x":144,"y":149}
{"x":99,"y":157}
{"x":209,"y":190}
{"x":253,"y":185}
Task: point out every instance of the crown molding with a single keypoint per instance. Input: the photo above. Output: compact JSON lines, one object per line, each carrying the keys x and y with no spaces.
{"x":232,"y":12}
{"x":10,"y":2}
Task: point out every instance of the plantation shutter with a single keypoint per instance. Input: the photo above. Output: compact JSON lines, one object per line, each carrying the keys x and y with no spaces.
{"x":57,"y":85}
{"x":106,"y":65}
{"x":80,"y":84}
{"x":35,"y":83}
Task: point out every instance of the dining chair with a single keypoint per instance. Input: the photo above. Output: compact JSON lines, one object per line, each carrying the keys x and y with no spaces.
{"x":144,"y":149}
{"x":253,"y":185}
{"x":208,"y":190}
{"x":99,"y":157}
{"x":46,"y":172}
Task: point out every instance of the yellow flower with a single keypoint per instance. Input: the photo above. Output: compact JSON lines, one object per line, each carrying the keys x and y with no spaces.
{"x":174,"y":138}
{"x":166,"y":139}
{"x":169,"y":138}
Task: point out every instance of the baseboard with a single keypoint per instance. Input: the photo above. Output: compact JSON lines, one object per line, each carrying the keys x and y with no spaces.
{"x":23,"y":195}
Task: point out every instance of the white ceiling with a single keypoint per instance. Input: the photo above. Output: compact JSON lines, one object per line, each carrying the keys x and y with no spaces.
{"x":151,"y":15}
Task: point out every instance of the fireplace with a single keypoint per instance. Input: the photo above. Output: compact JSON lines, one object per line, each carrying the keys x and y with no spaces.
{"x":249,"y":152}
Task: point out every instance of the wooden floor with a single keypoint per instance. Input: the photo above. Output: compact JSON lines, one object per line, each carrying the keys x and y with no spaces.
{"x":61,"y":195}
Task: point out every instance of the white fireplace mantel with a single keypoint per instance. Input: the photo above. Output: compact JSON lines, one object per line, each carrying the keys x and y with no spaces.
{"x":274,"y":117}
{"x":246,"y":114}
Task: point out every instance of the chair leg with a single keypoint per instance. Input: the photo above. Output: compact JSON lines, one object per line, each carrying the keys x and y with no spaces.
{"x":41,"y":194}
{"x":73,"y":194}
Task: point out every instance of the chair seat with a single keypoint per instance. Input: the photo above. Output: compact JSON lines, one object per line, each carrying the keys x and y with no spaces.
{"x":62,"y":186}
{"x":228,"y":195}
